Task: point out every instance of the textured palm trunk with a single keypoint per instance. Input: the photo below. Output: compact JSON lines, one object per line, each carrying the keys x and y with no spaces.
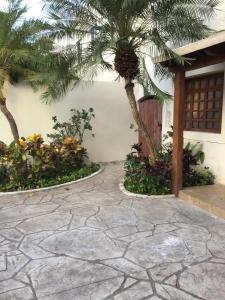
{"x":9,"y":117}
{"x":141,"y":125}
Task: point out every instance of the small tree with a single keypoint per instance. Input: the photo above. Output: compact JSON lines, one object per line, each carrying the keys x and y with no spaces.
{"x":130,"y":30}
{"x":27,"y":53}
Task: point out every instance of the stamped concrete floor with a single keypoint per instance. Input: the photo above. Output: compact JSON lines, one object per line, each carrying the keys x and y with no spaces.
{"x":91,"y":242}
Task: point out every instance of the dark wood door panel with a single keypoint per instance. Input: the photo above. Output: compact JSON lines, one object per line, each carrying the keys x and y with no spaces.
{"x":151,"y":113}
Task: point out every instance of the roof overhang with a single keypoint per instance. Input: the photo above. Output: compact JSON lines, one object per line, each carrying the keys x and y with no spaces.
{"x":210,"y":50}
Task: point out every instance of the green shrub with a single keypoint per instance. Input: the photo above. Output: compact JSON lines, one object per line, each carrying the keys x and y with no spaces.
{"x":2,"y":174}
{"x":198,"y":177}
{"x":70,"y":154}
{"x":3,"y":148}
{"x":141,"y":176}
{"x":59,"y":178}
{"x":145,"y":177}
{"x":31,"y":163}
{"x":77,"y":126}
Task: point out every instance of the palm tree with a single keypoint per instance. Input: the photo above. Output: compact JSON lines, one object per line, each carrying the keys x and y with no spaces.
{"x":130,"y":30}
{"x":28,"y":54}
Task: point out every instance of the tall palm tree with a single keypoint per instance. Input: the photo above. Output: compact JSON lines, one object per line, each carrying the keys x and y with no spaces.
{"x":130,"y":30}
{"x":28,"y":54}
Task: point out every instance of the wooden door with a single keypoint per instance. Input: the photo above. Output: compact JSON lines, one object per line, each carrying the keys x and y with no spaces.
{"x":151,"y":113}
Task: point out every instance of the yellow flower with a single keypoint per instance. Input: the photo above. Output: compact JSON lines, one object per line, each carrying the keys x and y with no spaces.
{"x":35,"y":138}
{"x":22,"y":143}
{"x":79,"y":148}
{"x":45,"y":147}
{"x":70,"y":140}
{"x":61,"y":151}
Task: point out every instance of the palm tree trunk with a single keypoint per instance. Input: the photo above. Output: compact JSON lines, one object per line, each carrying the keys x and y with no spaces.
{"x":9,"y":117}
{"x":141,"y":125}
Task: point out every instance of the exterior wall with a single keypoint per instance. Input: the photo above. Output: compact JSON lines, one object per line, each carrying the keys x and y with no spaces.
{"x":219,"y":21}
{"x":213,"y":143}
{"x":113,"y":137}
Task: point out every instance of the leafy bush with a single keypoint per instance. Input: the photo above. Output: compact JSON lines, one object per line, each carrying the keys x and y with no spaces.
{"x":141,"y":176}
{"x":42,"y":182}
{"x":199,"y":177}
{"x":3,"y":148}
{"x":31,"y":163}
{"x":70,"y":154}
{"x":78,"y":124}
{"x":193,"y":172}
{"x":145,"y":177}
{"x":2,"y":174}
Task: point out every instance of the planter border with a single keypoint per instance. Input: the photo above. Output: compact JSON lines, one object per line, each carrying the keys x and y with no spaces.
{"x":130,"y":194}
{"x":54,"y":186}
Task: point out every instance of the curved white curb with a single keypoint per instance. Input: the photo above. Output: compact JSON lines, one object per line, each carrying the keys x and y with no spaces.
{"x":126,"y":192}
{"x":54,"y":186}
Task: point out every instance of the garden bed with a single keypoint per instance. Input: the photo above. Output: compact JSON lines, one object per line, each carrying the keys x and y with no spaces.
{"x":72,"y":177}
{"x":148,"y":177}
{"x":33,"y":164}
{"x":142,"y":196}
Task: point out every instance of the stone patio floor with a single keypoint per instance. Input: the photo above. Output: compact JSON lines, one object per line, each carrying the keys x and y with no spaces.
{"x":91,"y":242}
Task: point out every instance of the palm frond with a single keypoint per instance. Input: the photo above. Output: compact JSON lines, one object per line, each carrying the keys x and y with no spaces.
{"x":156,"y":26}
{"x":149,"y":85}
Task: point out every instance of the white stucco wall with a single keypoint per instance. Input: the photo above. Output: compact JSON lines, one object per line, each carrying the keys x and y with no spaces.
{"x":213,"y":143}
{"x":218,"y":21}
{"x":113,"y":136}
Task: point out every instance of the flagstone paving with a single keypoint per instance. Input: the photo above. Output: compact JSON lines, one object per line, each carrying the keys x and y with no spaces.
{"x":89,"y":241}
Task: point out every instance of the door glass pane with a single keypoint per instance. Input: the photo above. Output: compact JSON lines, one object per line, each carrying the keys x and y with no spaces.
{"x":197,"y":84}
{"x":209,"y":125}
{"x":188,"y":106}
{"x":216,"y":125}
{"x":195,"y":124}
{"x":219,"y":81}
{"x":201,"y":115}
{"x":202,"y":96}
{"x":196,"y":96}
{"x":203,"y":83}
{"x":195,"y":115}
{"x":212,"y":82}
{"x":189,"y":97}
{"x":189,"y":85}
{"x":200,"y":124}
{"x":195,"y":106}
{"x":210,"y":95}
{"x":201,"y":106}
{"x":217,"y":104}
{"x":209,"y":115}
{"x":210,"y":105}
{"x":216,"y":115}
{"x":218,"y":94}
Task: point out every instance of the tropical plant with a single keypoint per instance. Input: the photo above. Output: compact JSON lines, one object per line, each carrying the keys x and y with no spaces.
{"x":77,"y":126}
{"x":31,"y":163}
{"x":27,"y":53}
{"x":192,"y":153}
{"x":144,"y":177}
{"x":129,"y":31}
{"x":155,"y":178}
